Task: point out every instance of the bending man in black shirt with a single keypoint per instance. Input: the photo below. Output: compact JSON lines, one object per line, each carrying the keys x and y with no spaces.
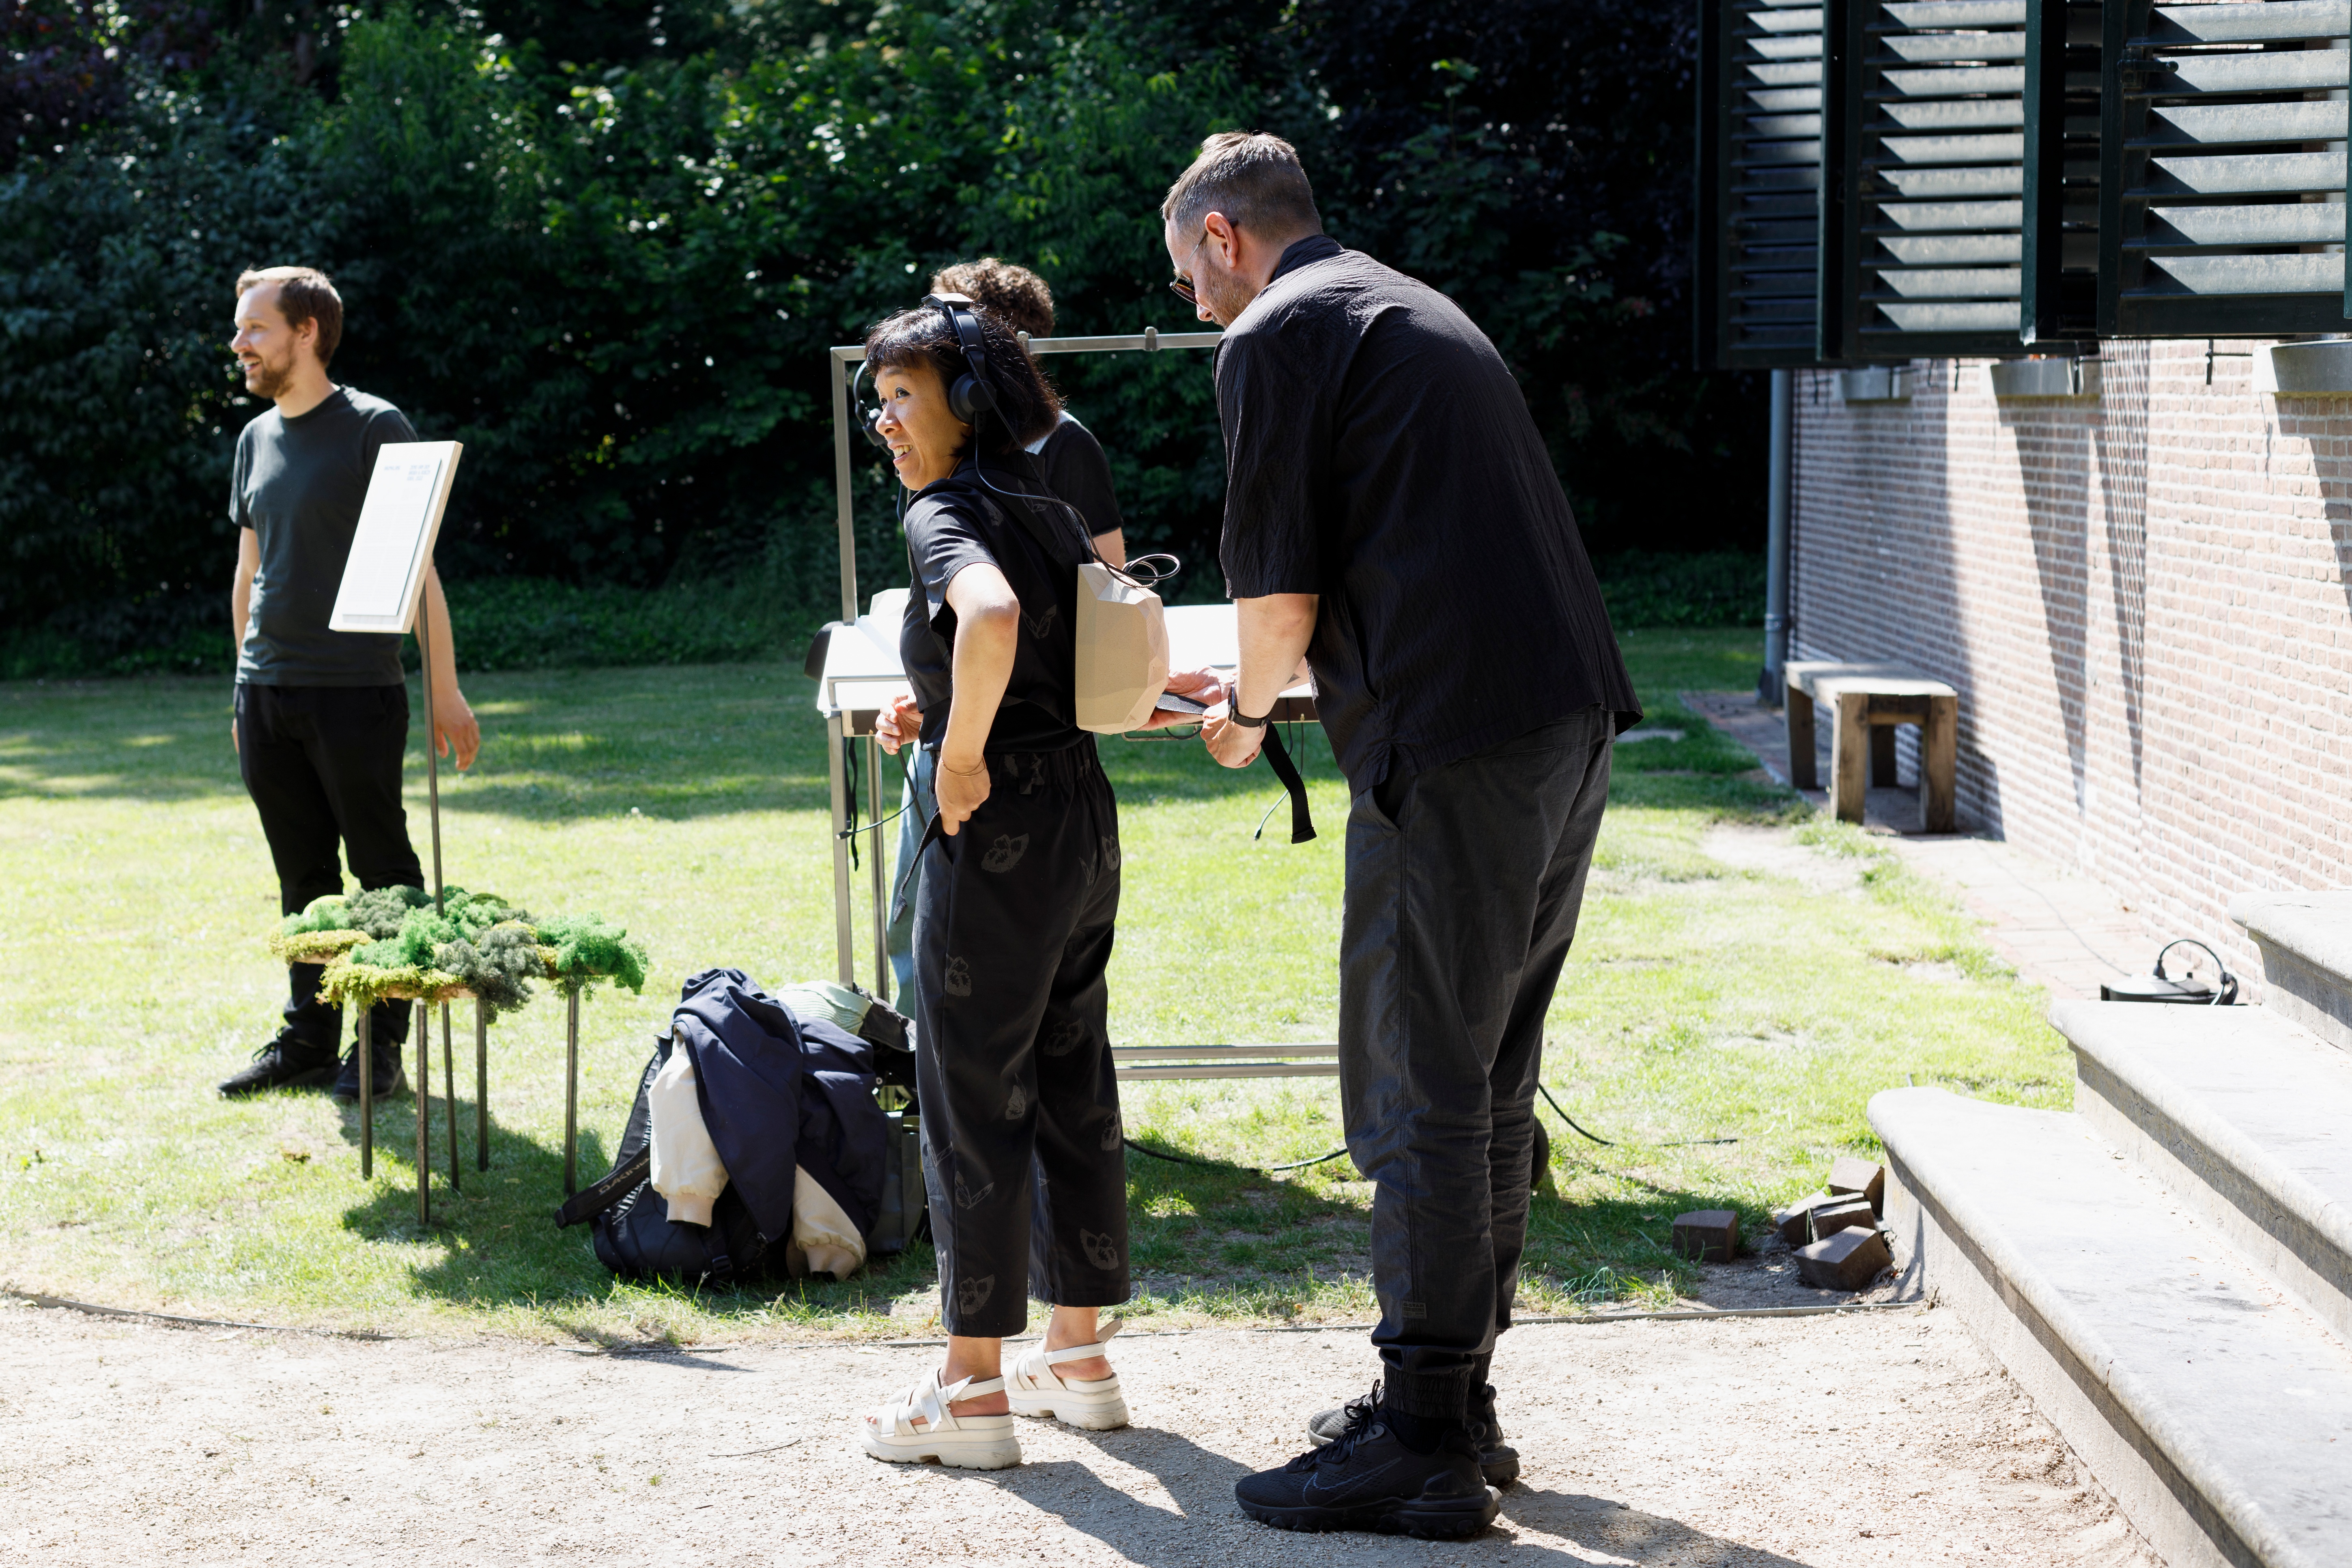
{"x":321,"y":719}
{"x":1392,"y":514}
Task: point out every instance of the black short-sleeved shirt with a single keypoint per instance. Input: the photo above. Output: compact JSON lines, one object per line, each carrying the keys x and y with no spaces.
{"x":298,"y":484}
{"x":1378,"y":453}
{"x":955,"y":523}
{"x":1072,"y":463}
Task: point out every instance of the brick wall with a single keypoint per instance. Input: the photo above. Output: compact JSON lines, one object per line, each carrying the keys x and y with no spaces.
{"x":2145,"y":600}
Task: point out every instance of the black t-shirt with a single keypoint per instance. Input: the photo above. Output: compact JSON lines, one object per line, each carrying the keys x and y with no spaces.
{"x":956,"y":523}
{"x":1378,"y":453}
{"x":1072,"y":463}
{"x":298,"y":484}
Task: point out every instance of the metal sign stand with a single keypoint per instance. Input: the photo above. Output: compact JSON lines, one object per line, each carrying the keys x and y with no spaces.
{"x":848,"y":719}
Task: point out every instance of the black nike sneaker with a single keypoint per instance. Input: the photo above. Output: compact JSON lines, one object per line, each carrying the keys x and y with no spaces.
{"x":1368,"y":1479}
{"x":1498,"y":1463}
{"x":1498,"y":1460}
{"x":284,"y":1063}
{"x":390,"y":1082}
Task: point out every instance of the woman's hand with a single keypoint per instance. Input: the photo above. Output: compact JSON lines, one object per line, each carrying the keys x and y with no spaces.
{"x":960,"y":787}
{"x":900,"y":724}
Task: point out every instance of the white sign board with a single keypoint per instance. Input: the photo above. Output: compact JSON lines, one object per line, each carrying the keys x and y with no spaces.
{"x":384,"y":576}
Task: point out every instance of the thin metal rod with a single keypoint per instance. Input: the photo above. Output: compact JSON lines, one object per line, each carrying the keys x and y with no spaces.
{"x":481,"y":1084}
{"x":1777,"y":493}
{"x":1149,"y":339}
{"x":843,"y":521}
{"x":365,"y":1047}
{"x":432,"y":763}
{"x":845,"y":944}
{"x":423,"y":1018}
{"x":874,"y":861}
{"x":449,"y":1093}
{"x":571,"y":1093}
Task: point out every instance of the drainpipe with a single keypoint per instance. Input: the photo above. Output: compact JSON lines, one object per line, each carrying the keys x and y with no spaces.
{"x":1776,"y":536}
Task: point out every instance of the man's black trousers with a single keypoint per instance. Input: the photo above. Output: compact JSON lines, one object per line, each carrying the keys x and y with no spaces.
{"x":1023,"y":1156}
{"x":322,"y":765}
{"x":1464,"y":884}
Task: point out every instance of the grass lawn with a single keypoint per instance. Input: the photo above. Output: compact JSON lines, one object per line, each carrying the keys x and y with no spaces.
{"x":1701,"y":1001}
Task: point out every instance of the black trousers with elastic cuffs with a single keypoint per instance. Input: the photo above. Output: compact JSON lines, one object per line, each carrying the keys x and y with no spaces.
{"x":1464,"y":885}
{"x":1023,"y":1148}
{"x":322,"y":764}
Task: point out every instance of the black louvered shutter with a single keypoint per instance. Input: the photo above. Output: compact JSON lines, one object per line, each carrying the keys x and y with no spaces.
{"x":2222,"y":169}
{"x":1759,"y":136}
{"x":1924,"y":241}
{"x":2062,"y":171}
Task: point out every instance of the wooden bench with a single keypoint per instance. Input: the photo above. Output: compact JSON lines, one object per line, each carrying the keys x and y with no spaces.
{"x":1866,"y":700}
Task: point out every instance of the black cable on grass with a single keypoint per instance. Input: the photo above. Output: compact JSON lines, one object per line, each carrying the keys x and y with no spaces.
{"x":1223,"y":1165}
{"x":1605,"y":1143}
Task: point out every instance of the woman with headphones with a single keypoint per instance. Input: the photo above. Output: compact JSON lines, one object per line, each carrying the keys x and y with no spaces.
{"x":1019,"y":891}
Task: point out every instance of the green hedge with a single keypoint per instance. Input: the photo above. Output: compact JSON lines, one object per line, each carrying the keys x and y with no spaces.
{"x":1721,"y":588}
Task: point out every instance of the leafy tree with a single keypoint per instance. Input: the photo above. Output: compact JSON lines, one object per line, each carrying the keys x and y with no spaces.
{"x":607,"y":244}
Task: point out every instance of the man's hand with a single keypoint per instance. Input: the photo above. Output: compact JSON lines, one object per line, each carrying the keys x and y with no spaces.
{"x":960,"y":790}
{"x":1200,"y":685}
{"x":900,"y":724}
{"x":232,"y":736}
{"x":1235,"y":746}
{"x":455,"y":726}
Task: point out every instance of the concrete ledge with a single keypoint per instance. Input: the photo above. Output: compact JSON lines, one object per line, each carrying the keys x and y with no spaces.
{"x":2215,"y":1412}
{"x":2243,"y":1117}
{"x":1875,"y":383}
{"x":2046,"y":378}
{"x":2309,"y":370}
{"x":2306,"y":945}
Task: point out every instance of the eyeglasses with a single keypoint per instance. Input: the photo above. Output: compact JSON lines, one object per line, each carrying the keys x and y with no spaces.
{"x":1182,"y":287}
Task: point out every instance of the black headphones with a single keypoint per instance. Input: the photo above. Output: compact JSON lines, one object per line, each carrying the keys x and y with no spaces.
{"x":970,"y":394}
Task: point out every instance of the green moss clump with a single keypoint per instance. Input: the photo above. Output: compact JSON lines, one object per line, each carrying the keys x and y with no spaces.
{"x":590,"y":948}
{"x":399,"y":942}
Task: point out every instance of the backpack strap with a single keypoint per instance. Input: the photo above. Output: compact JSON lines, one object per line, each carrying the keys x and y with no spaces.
{"x":594,"y":1199}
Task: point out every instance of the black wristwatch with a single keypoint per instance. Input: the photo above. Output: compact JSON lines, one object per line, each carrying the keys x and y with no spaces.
{"x":1234,"y":710}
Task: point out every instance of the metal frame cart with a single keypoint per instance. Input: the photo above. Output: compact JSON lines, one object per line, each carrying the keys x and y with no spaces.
{"x":861,"y":672}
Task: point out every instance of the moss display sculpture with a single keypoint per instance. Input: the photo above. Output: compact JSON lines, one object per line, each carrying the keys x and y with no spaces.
{"x":389,"y":942}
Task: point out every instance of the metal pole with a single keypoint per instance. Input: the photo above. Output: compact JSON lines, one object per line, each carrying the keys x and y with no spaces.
{"x":449,"y":1093}
{"x":842,"y":374}
{"x":572,"y":1093}
{"x":836,"y":753}
{"x":432,"y":764}
{"x":424,"y":1015}
{"x":881,"y":882}
{"x":1776,"y":538}
{"x":481,"y":1084}
{"x":366,"y":1049}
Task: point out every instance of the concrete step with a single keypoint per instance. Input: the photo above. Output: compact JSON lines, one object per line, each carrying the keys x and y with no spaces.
{"x":2214,"y":1409}
{"x":2306,"y":945}
{"x":2243,"y":1116}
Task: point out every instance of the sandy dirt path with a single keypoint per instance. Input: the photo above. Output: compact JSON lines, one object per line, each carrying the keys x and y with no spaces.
{"x":1655,"y":1442}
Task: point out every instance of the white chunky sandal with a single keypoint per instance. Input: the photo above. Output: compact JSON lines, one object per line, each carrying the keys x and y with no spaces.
{"x":1036,"y":1389}
{"x":963,"y":1442}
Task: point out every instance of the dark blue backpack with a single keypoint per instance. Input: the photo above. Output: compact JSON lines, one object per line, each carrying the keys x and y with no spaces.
{"x":778,"y":1092}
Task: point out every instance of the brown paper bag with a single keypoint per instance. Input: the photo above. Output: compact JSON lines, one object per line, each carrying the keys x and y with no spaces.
{"x":1122,"y":635}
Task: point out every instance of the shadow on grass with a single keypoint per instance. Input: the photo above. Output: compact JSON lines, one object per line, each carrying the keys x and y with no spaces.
{"x":1223,"y":1225}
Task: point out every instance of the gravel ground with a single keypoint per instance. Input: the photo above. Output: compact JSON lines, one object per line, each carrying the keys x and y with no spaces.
{"x":1884,"y":1438}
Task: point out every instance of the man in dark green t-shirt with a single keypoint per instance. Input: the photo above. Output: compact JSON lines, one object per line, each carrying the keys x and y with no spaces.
{"x":321,"y":721}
